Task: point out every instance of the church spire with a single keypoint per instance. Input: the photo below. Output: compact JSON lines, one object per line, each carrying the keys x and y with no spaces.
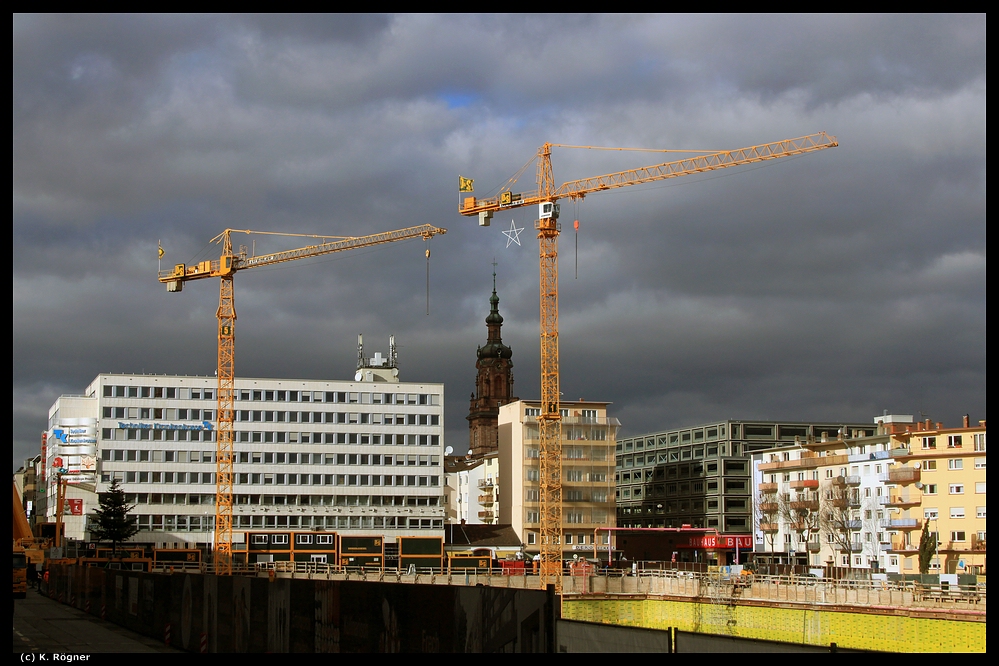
{"x":493,"y":382}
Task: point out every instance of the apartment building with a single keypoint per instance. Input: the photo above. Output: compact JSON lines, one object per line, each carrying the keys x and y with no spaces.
{"x":829,"y":501}
{"x":941,"y":475}
{"x":588,"y":443}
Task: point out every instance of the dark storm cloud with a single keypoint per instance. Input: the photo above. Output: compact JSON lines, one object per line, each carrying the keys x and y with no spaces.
{"x":829,"y":286}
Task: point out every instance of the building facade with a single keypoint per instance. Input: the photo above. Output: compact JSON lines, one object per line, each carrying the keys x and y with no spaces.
{"x":862,"y":501}
{"x":700,"y":476}
{"x":940,"y":476}
{"x":355,"y":457}
{"x":828,"y":501}
{"x":588,"y":441}
{"x":472,"y":489}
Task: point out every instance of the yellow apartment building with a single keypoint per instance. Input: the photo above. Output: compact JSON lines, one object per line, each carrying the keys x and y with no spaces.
{"x":943,"y":471}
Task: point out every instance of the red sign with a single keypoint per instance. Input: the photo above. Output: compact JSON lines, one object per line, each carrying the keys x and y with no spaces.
{"x":73,"y":507}
{"x":57,"y":462}
{"x":715,"y":541}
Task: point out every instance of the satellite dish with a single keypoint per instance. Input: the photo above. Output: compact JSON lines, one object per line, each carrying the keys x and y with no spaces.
{"x":358,"y":377}
{"x":916,"y":466}
{"x":919,"y":485}
{"x":449,"y":450}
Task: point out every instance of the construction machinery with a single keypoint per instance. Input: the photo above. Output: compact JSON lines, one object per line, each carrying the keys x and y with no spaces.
{"x":225,"y":268}
{"x":546,"y":198}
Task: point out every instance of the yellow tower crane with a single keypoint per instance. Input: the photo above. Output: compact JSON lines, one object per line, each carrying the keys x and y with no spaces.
{"x":225,"y":267}
{"x":546,"y":198}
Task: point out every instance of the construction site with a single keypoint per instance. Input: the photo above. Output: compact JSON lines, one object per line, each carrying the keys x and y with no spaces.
{"x":347,"y":576}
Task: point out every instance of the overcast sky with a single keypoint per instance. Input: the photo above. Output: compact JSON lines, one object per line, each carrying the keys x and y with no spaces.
{"x":829,"y":286}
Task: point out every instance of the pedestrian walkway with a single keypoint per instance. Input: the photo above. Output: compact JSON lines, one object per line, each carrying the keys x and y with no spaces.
{"x":44,"y":625}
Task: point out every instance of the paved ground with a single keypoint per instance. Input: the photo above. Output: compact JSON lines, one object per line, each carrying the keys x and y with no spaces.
{"x":42,"y":625}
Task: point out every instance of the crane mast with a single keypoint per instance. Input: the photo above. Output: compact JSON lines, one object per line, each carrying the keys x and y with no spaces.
{"x":225,"y":268}
{"x":548,"y":228}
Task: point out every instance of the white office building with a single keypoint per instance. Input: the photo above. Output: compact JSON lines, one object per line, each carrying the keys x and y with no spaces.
{"x":361,"y":457}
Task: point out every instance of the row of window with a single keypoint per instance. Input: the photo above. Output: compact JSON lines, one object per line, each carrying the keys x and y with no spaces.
{"x":571,"y":476}
{"x":300,"y":539}
{"x":243,"y":436}
{"x":286,"y":500}
{"x":956,"y":512}
{"x":276,"y":479}
{"x":596,"y":453}
{"x":955,"y":442}
{"x":668,"y":489}
{"x":280,"y":458}
{"x":247,"y":415}
{"x":684,"y":506}
{"x":676,"y":455}
{"x":171,"y":435}
{"x":730,"y":468}
{"x":158,"y":477}
{"x":157,"y":414}
{"x":582,"y":538}
{"x":343,"y":397}
{"x":159,"y":523}
{"x":954,"y":488}
{"x":571,"y":517}
{"x":400,"y":480}
{"x":271,"y":458}
{"x":145,"y":455}
{"x":349,"y":418}
{"x":338,"y":522}
{"x":533,"y":495}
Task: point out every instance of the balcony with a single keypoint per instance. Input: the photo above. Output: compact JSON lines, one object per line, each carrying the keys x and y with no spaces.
{"x":900,"y":546}
{"x":805,"y":505}
{"x":814,"y":546}
{"x":903,"y":476}
{"x":846,"y":501}
{"x":486,"y":500}
{"x":808,"y":460}
{"x":485,"y":483}
{"x":852,"y":480}
{"x":769,"y":508}
{"x":977,"y":544}
{"x":902,"y":523}
{"x":806,"y":484}
{"x":486,"y":515}
{"x":767,"y":488}
{"x":769,"y":527}
{"x":900,"y":500}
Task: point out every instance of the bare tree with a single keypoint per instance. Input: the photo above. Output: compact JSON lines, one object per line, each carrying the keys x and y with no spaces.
{"x":800,"y":512}
{"x":839,"y":516}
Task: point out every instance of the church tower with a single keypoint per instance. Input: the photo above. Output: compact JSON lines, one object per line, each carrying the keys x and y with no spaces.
{"x":493,"y":384}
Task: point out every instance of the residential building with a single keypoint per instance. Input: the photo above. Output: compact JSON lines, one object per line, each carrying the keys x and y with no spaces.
{"x":362,"y":457}
{"x":941,"y":477}
{"x":588,"y":441}
{"x":472,"y":490}
{"x":828,"y":500}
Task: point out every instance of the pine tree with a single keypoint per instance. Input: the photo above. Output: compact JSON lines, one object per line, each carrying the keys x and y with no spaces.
{"x":927,"y":548}
{"x":111,"y":521}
